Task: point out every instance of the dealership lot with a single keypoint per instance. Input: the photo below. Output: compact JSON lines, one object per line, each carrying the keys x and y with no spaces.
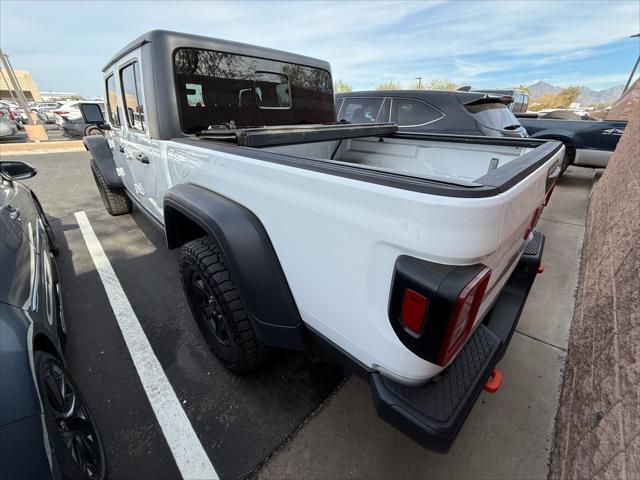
{"x":53,"y":132}
{"x":240,"y":421}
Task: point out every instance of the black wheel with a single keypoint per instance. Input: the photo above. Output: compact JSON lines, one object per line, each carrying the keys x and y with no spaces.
{"x":217,"y":307}
{"x":115,"y":199}
{"x":76,"y":444}
{"x":51,"y":237}
{"x":92,"y":130}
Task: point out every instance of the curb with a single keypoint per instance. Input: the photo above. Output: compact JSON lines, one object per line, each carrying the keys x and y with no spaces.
{"x":7,"y":149}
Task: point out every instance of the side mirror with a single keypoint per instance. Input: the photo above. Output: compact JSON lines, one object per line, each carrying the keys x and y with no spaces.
{"x":91,"y":113}
{"x":16,"y":170}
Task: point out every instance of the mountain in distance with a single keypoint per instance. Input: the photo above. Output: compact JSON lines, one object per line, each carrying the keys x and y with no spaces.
{"x":592,"y":97}
{"x":587,"y":95}
{"x":543,"y":88}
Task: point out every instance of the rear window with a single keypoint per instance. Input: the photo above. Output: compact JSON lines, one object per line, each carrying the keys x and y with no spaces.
{"x":216,"y":88}
{"x":495,"y":116}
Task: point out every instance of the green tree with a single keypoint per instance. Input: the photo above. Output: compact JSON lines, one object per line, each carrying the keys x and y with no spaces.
{"x":562,"y":99}
{"x":522,"y":88}
{"x":569,"y":95}
{"x":439,"y":84}
{"x":389,"y":86}
{"x":341,"y":87}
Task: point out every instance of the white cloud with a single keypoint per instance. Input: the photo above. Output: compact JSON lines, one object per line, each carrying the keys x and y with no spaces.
{"x":366,"y":42}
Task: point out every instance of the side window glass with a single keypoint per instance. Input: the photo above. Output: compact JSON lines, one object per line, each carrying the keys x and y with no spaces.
{"x":112,"y":101}
{"x":132,"y":92}
{"x":407,"y":112}
{"x":360,"y":110}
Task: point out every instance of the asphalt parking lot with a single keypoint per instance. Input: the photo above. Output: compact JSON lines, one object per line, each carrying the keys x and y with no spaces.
{"x":260,"y":424}
{"x":238,"y":420}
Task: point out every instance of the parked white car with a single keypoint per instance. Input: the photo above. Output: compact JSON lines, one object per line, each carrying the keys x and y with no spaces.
{"x":8,"y":125}
{"x":69,"y":119}
{"x":408,"y":256}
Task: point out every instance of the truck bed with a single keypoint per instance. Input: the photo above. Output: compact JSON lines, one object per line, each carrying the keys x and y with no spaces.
{"x":481,"y":166}
{"x":364,"y":201}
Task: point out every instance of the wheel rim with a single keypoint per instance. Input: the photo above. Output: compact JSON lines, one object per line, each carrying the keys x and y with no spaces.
{"x":71,"y":418}
{"x":209,"y":309}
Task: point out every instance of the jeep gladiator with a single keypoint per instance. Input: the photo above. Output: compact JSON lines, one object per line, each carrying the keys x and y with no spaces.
{"x":408,"y":256}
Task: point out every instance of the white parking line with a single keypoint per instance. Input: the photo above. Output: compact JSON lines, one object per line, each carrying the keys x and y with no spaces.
{"x":185,"y":446}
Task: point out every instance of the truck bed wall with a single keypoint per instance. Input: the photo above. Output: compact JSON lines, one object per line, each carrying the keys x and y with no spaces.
{"x":438,"y":160}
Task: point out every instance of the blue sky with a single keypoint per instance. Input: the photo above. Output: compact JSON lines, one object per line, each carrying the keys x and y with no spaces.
{"x":485,"y":44}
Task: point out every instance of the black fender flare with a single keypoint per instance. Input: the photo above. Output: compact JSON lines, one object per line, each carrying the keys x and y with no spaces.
{"x":103,"y":158}
{"x":566,"y":137}
{"x":249,"y":255}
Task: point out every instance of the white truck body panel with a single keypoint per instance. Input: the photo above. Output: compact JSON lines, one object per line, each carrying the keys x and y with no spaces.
{"x":339,"y":261}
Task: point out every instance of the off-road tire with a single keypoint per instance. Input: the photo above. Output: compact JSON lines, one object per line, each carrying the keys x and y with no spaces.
{"x":92,"y":130}
{"x":201,"y":261}
{"x":115,"y":199}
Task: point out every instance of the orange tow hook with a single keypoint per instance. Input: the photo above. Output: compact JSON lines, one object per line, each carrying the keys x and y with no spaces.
{"x":541,"y":268}
{"x":493,"y":384}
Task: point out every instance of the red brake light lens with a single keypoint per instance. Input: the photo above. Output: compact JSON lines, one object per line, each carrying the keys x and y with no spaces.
{"x":464,"y":315}
{"x":414,"y":310}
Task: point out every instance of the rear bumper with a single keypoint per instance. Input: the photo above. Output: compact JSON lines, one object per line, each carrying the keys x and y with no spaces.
{"x":433,"y":414}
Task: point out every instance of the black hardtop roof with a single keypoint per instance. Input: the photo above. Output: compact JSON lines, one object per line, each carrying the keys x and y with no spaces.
{"x":170,"y":40}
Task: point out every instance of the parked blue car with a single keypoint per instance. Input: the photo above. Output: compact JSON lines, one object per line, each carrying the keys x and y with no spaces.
{"x":46,"y":428}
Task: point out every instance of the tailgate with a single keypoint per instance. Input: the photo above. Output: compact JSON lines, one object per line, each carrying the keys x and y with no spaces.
{"x":525,"y":193}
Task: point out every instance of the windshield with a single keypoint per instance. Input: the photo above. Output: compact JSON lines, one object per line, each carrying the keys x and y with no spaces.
{"x":215,"y":88}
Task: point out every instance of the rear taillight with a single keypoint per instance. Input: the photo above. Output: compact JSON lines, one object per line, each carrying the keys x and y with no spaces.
{"x":62,"y":113}
{"x":11,"y":117}
{"x":414,"y":310}
{"x":463,"y":316}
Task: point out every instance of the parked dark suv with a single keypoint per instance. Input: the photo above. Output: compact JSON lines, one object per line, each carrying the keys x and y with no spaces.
{"x":432,"y":111}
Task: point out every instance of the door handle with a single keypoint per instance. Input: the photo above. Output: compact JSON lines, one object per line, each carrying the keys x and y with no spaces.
{"x":141,"y":157}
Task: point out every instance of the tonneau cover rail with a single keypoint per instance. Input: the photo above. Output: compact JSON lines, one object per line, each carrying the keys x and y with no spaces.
{"x":290,"y":134}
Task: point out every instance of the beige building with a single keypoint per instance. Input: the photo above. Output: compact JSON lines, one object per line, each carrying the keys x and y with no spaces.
{"x":27,"y":83}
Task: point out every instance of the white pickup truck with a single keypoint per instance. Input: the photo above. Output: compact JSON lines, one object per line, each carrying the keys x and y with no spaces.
{"x":410,"y":256}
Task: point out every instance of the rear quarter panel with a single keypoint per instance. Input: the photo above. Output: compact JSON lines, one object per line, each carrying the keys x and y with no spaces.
{"x":337,"y":240}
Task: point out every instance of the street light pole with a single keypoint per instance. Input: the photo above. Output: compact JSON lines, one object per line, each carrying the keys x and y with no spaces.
{"x":35,"y":132}
{"x":633,"y":71}
{"x":15,"y":85}
{"x":419,"y":82}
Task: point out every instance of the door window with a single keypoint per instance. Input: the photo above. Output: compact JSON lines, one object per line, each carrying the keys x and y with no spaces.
{"x":132,"y":95}
{"x":360,"y":110}
{"x":112,"y":101}
{"x":409,"y":113}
